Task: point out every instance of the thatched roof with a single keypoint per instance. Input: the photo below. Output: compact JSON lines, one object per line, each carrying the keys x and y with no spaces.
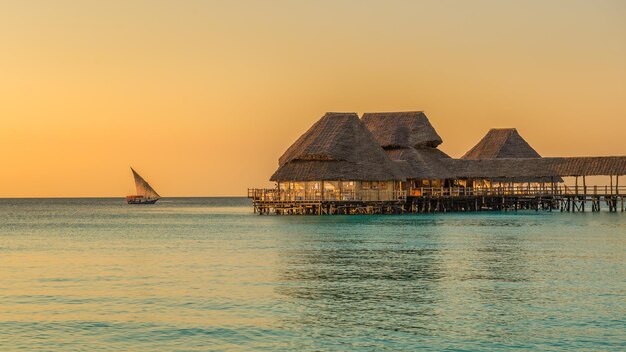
{"x":410,"y":140}
{"x":589,"y":166}
{"x":501,"y":143}
{"x":402,"y":129}
{"x":337,"y":147}
{"x":420,"y":163}
{"x":516,"y":168}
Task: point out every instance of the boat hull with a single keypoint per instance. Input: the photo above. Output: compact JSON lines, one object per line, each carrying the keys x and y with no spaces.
{"x":140,"y":200}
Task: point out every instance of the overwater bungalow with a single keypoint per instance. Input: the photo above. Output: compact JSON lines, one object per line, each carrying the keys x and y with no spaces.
{"x":336,"y":160}
{"x":505,"y":143}
{"x":390,"y":163}
{"x":411,"y":141}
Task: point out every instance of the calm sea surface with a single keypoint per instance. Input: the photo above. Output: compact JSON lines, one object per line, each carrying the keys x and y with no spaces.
{"x":206,"y":274}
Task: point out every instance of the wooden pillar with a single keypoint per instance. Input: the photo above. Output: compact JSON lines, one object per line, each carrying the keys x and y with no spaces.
{"x":617,"y":184}
{"x":611,"y":176}
{"x":584,"y":184}
{"x":322,"y":193}
{"x":340,"y":190}
{"x":576,"y":192}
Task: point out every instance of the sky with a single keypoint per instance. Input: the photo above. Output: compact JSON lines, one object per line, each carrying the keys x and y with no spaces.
{"x":202,"y":97}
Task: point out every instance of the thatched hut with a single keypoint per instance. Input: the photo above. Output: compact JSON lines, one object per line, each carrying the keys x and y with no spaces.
{"x":411,"y":141}
{"x":504,"y":143}
{"x":501,"y":143}
{"x":547,"y":170}
{"x":347,"y":165}
{"x":337,"y":159}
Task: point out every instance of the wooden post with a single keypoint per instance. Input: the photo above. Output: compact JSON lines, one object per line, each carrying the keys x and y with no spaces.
{"x":617,"y":185}
{"x":576,"y":192}
{"x":584,"y":184}
{"x":340,"y":190}
{"x":322,"y":194}
{"x":611,"y":176}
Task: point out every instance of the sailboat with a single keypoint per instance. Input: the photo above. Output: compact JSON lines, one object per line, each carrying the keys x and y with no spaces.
{"x":145,"y":193}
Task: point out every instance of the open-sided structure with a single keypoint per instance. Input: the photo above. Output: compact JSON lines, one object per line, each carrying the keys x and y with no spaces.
{"x":411,"y":141}
{"x":390,"y":162}
{"x":504,"y":143}
{"x":337,"y":159}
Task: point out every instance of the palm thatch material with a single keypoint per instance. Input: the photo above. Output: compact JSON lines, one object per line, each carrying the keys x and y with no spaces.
{"x":588,"y":166}
{"x":421,"y":163}
{"x":337,"y":147}
{"x":410,"y":140}
{"x":517,"y":168}
{"x":402,"y":129}
{"x":501,"y":143}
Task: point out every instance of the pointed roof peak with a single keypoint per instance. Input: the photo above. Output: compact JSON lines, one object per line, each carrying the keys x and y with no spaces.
{"x":327,"y":139}
{"x":402,"y":129}
{"x":338,"y":146}
{"x":501,"y":143}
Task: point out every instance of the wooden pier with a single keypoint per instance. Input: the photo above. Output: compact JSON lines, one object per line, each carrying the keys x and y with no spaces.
{"x":389,"y":163}
{"x":441,"y":200}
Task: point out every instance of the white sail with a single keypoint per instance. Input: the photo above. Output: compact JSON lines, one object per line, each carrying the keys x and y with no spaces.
{"x":143,"y":188}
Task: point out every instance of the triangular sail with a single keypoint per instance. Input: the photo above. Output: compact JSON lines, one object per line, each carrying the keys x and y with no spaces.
{"x":143,"y":188}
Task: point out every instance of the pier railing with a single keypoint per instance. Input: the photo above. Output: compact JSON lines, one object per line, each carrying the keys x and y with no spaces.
{"x":545,"y":190}
{"x":275,"y":195}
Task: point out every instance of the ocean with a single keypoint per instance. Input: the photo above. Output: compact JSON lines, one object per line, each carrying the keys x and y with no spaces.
{"x":206,"y":274}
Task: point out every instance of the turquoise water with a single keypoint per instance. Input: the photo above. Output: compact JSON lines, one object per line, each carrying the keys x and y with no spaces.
{"x":206,"y":274}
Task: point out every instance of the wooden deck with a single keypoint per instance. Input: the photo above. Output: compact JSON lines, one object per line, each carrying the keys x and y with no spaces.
{"x":443,"y":199}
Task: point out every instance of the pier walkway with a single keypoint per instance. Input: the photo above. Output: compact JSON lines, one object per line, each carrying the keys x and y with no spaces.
{"x":442,"y":199}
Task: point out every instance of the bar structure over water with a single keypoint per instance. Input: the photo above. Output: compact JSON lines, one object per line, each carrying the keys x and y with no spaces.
{"x":390,"y":163}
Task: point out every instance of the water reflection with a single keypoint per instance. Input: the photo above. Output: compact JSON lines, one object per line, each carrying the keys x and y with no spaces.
{"x":387,"y":289}
{"x":196,"y":274}
{"x":415,"y":284}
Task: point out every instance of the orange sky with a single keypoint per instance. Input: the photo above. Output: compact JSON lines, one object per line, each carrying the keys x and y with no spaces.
{"x":202,"y":97}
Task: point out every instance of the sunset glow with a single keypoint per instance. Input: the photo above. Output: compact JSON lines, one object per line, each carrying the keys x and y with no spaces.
{"x":202,"y":97}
